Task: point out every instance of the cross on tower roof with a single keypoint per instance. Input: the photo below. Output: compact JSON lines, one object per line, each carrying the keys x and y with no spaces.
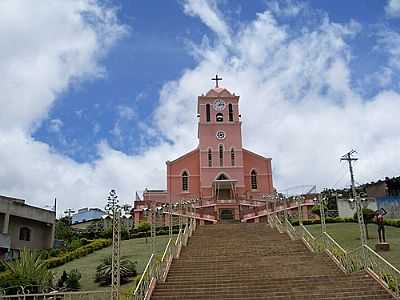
{"x":216,"y":80}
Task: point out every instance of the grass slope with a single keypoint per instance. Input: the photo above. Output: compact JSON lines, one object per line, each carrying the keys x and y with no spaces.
{"x":135,"y":250}
{"x":348,"y":236}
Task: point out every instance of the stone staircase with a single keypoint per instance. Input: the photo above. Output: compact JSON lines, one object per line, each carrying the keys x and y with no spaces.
{"x":253,"y":261}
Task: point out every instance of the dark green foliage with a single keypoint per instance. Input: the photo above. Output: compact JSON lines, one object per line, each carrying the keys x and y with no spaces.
{"x":72,"y":282}
{"x":54,"y":252}
{"x":62,"y":280}
{"x":63,"y":231}
{"x":84,"y":241}
{"x":80,"y":252}
{"x":316,"y":209}
{"x":124,"y":234}
{"x":327,"y":220}
{"x":74,"y":244}
{"x":103,"y":271}
{"x":28,"y":272}
{"x":2,"y":267}
{"x":143,"y":227}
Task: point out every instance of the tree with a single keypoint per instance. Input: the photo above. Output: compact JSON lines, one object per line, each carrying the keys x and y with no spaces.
{"x":63,"y":230}
{"x":368,"y":216}
{"x":103,"y":271}
{"x":316,"y":209}
{"x":28,"y":273}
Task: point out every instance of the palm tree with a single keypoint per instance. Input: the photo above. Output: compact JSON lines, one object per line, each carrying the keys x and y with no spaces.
{"x":103,"y":271}
{"x":27,"y":274}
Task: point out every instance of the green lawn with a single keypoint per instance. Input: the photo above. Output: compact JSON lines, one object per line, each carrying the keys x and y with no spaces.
{"x":135,"y":250}
{"x":348,"y":236}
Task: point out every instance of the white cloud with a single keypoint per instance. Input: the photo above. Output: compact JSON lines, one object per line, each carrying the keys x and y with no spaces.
{"x":286,"y":8}
{"x":125,"y":112}
{"x":209,"y":14}
{"x":297,"y":102}
{"x":392,"y":8}
{"x":55,"y":125}
{"x":389,"y":42}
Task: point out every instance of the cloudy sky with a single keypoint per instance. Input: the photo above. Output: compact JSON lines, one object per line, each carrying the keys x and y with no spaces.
{"x":99,"y":94}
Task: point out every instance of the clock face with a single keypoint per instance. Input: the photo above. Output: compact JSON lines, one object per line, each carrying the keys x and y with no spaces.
{"x":220,"y":135}
{"x":219,"y":105}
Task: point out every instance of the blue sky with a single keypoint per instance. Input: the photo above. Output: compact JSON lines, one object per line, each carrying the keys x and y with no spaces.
{"x":106,"y":91}
{"x":155,"y":50}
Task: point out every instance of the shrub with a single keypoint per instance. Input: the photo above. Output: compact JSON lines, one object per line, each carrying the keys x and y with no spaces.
{"x":143,"y":227}
{"x":54,"y":252}
{"x":80,"y":252}
{"x":103,"y":271}
{"x":62,"y":280}
{"x":84,"y":241}
{"x":72,"y":282}
{"x":29,"y":271}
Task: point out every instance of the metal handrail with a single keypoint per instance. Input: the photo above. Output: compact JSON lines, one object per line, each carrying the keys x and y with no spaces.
{"x":361,"y":258}
{"x":388,"y":274}
{"x":158,"y":269}
{"x":145,"y":280}
{"x":87,"y":295}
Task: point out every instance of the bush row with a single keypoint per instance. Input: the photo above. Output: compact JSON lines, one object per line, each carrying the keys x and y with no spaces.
{"x":327,"y":220}
{"x":388,"y":222}
{"x":80,"y":252}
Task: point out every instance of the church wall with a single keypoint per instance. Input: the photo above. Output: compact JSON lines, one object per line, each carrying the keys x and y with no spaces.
{"x":264,"y":173}
{"x":189,"y":163}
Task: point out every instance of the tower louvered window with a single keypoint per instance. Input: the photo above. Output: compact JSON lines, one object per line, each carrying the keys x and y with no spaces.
{"x":221,"y":155}
{"x":253,"y":177}
{"x":208,"y":113}
{"x":209,"y":158}
{"x":185,"y":181}
{"x":230,"y":109}
{"x":233,"y":157}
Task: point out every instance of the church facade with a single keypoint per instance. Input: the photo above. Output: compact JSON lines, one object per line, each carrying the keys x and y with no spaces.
{"x":229,"y":181}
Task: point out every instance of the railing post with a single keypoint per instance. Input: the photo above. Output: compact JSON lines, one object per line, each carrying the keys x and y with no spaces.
{"x":300,"y":212}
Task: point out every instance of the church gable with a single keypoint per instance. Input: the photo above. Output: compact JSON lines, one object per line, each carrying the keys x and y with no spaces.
{"x":189,"y":162}
{"x":219,"y":92}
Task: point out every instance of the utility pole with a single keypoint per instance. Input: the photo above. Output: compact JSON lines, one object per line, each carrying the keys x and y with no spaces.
{"x":114,"y":210}
{"x":349,"y":158}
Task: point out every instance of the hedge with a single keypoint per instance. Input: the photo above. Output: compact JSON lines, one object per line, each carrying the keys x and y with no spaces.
{"x":78,"y":253}
{"x":388,"y":222}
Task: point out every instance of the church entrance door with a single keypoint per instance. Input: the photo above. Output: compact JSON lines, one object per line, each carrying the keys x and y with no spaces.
{"x":226,"y":214}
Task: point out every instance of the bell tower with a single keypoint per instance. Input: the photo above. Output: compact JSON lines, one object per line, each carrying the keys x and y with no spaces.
{"x":220,"y":139}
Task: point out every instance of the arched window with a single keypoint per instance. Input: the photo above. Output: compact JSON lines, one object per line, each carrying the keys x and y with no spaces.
{"x":25,"y":234}
{"x":253,"y":176}
{"x":221,"y":155}
{"x":233,"y":157}
{"x":220,"y":117}
{"x":185,"y":181}
{"x":209,"y":158}
{"x":208,"y":113}
{"x":230,"y":109}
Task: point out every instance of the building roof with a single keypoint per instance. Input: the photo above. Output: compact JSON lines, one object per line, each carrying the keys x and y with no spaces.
{"x":18,"y":207}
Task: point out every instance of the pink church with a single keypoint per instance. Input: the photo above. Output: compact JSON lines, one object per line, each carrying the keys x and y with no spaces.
{"x":228,"y":180}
